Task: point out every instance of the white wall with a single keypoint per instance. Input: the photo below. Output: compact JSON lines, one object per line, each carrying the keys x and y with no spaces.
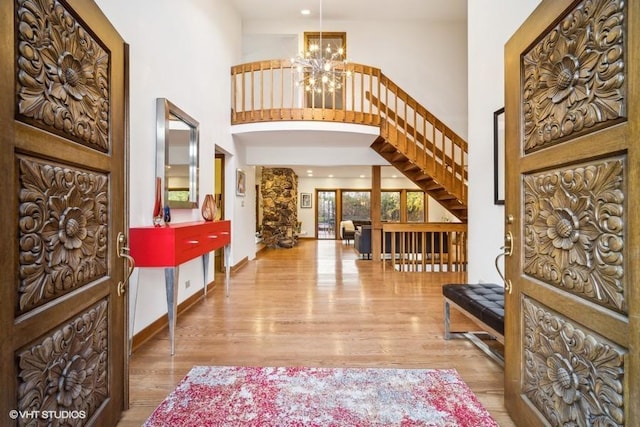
{"x":491,"y":24}
{"x":182,"y":51}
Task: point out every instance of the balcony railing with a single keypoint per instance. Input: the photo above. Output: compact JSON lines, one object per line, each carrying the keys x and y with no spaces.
{"x":427,"y":247}
{"x":266,"y":91}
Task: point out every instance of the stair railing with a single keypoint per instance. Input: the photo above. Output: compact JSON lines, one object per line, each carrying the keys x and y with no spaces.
{"x":265,"y":91}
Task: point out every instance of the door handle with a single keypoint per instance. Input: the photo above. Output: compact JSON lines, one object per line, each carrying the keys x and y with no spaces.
{"x":131,"y":263}
{"x":508,"y":244}
{"x":507,"y":250}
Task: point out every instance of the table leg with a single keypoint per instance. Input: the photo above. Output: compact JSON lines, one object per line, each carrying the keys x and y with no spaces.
{"x":171,"y":283}
{"x":227,"y":264}
{"x":205,"y":270}
{"x":132,"y":319}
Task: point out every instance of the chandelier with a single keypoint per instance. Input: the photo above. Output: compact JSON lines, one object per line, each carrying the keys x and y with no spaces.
{"x":321,"y":68}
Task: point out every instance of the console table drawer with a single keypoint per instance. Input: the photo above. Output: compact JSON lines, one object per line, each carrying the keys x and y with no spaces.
{"x":174,"y":244}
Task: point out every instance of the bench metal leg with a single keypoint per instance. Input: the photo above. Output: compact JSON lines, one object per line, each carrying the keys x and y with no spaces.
{"x":474,"y":337}
{"x":447,"y":320}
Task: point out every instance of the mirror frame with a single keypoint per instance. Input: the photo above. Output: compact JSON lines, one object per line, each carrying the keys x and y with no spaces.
{"x":164,"y":110}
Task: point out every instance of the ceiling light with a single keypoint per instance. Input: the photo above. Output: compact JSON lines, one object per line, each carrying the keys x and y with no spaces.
{"x":309,"y":171}
{"x":362,"y":176}
{"x":330,"y":175}
{"x":305,"y":12}
{"x":321,"y":68}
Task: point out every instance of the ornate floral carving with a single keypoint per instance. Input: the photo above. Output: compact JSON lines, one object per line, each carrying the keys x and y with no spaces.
{"x":67,"y":370}
{"x":62,"y":74}
{"x":574,"y":377}
{"x":574,"y":231}
{"x":574,"y":77}
{"x":62,"y":230}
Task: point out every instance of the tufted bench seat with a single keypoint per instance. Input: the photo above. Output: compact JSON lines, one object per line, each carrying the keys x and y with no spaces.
{"x":483,"y":303}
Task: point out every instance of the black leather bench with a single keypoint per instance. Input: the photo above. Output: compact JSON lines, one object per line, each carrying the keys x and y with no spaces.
{"x":483,"y":303}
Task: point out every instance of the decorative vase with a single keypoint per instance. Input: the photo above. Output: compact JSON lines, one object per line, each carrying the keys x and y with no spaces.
{"x":167,"y":214}
{"x":157,"y":205}
{"x":209,"y":208}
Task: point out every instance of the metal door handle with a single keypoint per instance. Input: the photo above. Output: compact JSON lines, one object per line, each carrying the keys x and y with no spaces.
{"x":507,"y":250}
{"x":508,"y":244}
{"x":131,"y":263}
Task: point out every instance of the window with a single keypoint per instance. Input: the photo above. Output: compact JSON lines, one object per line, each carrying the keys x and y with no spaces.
{"x":415,"y":206}
{"x":356,"y":205}
{"x":390,"y":206}
{"x":333,"y":99}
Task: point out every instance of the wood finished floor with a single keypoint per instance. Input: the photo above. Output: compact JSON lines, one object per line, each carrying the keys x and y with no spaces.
{"x":314,"y":305}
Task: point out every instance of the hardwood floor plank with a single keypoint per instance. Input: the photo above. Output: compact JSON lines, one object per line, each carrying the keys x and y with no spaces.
{"x":316,"y":304}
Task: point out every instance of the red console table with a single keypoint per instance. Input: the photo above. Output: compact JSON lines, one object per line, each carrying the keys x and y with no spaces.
{"x":170,"y":245}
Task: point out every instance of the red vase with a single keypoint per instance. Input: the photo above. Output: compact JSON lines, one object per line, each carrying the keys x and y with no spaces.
{"x":157,"y":205}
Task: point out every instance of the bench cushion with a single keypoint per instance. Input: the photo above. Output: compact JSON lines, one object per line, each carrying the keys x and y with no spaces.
{"x":485,"y":301}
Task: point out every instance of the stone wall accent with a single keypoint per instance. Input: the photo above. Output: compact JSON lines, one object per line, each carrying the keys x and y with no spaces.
{"x":279,"y":188}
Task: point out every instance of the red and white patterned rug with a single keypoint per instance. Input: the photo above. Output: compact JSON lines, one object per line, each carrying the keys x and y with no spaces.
{"x":252,"y":396}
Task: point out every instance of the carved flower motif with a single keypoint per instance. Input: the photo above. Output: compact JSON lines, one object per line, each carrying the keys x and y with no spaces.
{"x":68,"y":232}
{"x":66,"y":371}
{"x":574,"y":77}
{"x":62,"y":73}
{"x":564,"y":77}
{"x":569,"y":231}
{"x":70,"y":68}
{"x":571,"y":375}
{"x":563,"y":378}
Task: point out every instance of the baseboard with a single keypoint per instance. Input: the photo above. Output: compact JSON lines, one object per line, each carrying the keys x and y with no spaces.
{"x":244,"y":261}
{"x":163,"y":322}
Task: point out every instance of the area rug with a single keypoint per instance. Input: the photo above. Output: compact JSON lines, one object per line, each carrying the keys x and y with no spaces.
{"x":252,"y":396}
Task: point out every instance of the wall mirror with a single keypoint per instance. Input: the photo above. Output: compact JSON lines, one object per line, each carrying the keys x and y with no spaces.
{"x":177,"y":155}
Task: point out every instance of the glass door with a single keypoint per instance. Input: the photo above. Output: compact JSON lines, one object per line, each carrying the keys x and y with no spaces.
{"x":326,"y":222}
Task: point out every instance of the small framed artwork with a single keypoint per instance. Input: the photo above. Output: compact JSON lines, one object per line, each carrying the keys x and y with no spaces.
{"x":498,"y":157}
{"x":241,"y":182}
{"x":305,"y":200}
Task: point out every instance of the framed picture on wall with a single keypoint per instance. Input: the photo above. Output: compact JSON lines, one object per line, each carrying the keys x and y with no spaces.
{"x":305,"y":200}
{"x":498,"y":157}
{"x":241,"y":182}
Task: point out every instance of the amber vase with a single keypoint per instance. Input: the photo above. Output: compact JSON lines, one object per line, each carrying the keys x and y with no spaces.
{"x":209,"y":208}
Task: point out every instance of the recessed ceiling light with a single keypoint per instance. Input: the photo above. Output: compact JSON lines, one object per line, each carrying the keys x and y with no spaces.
{"x":394,"y":176}
{"x":309,"y":171}
{"x":331,"y":176}
{"x":305,"y":12}
{"x":361,"y":176}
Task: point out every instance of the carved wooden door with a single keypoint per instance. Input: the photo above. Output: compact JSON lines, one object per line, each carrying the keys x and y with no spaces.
{"x":573,"y":307}
{"x":62,"y":140}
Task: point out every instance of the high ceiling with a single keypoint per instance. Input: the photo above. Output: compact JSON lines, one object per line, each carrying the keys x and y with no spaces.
{"x":350,"y":10}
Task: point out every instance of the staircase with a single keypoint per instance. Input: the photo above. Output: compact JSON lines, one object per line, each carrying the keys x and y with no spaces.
{"x":411,"y":138}
{"x":433,"y":156}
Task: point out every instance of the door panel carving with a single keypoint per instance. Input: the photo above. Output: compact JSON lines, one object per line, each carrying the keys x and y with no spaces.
{"x":574,"y":230}
{"x":572,"y":319}
{"x":572,"y":375}
{"x":63,"y":217}
{"x":62,"y":74}
{"x":574,"y":78}
{"x":62,"y":150}
{"x":67,"y":370}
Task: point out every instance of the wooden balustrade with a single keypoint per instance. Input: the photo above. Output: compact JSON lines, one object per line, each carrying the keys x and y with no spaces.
{"x":426,"y":247}
{"x":269,"y":91}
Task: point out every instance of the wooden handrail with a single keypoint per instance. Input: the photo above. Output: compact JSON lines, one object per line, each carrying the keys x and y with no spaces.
{"x":426,"y":247}
{"x":267,"y":91}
